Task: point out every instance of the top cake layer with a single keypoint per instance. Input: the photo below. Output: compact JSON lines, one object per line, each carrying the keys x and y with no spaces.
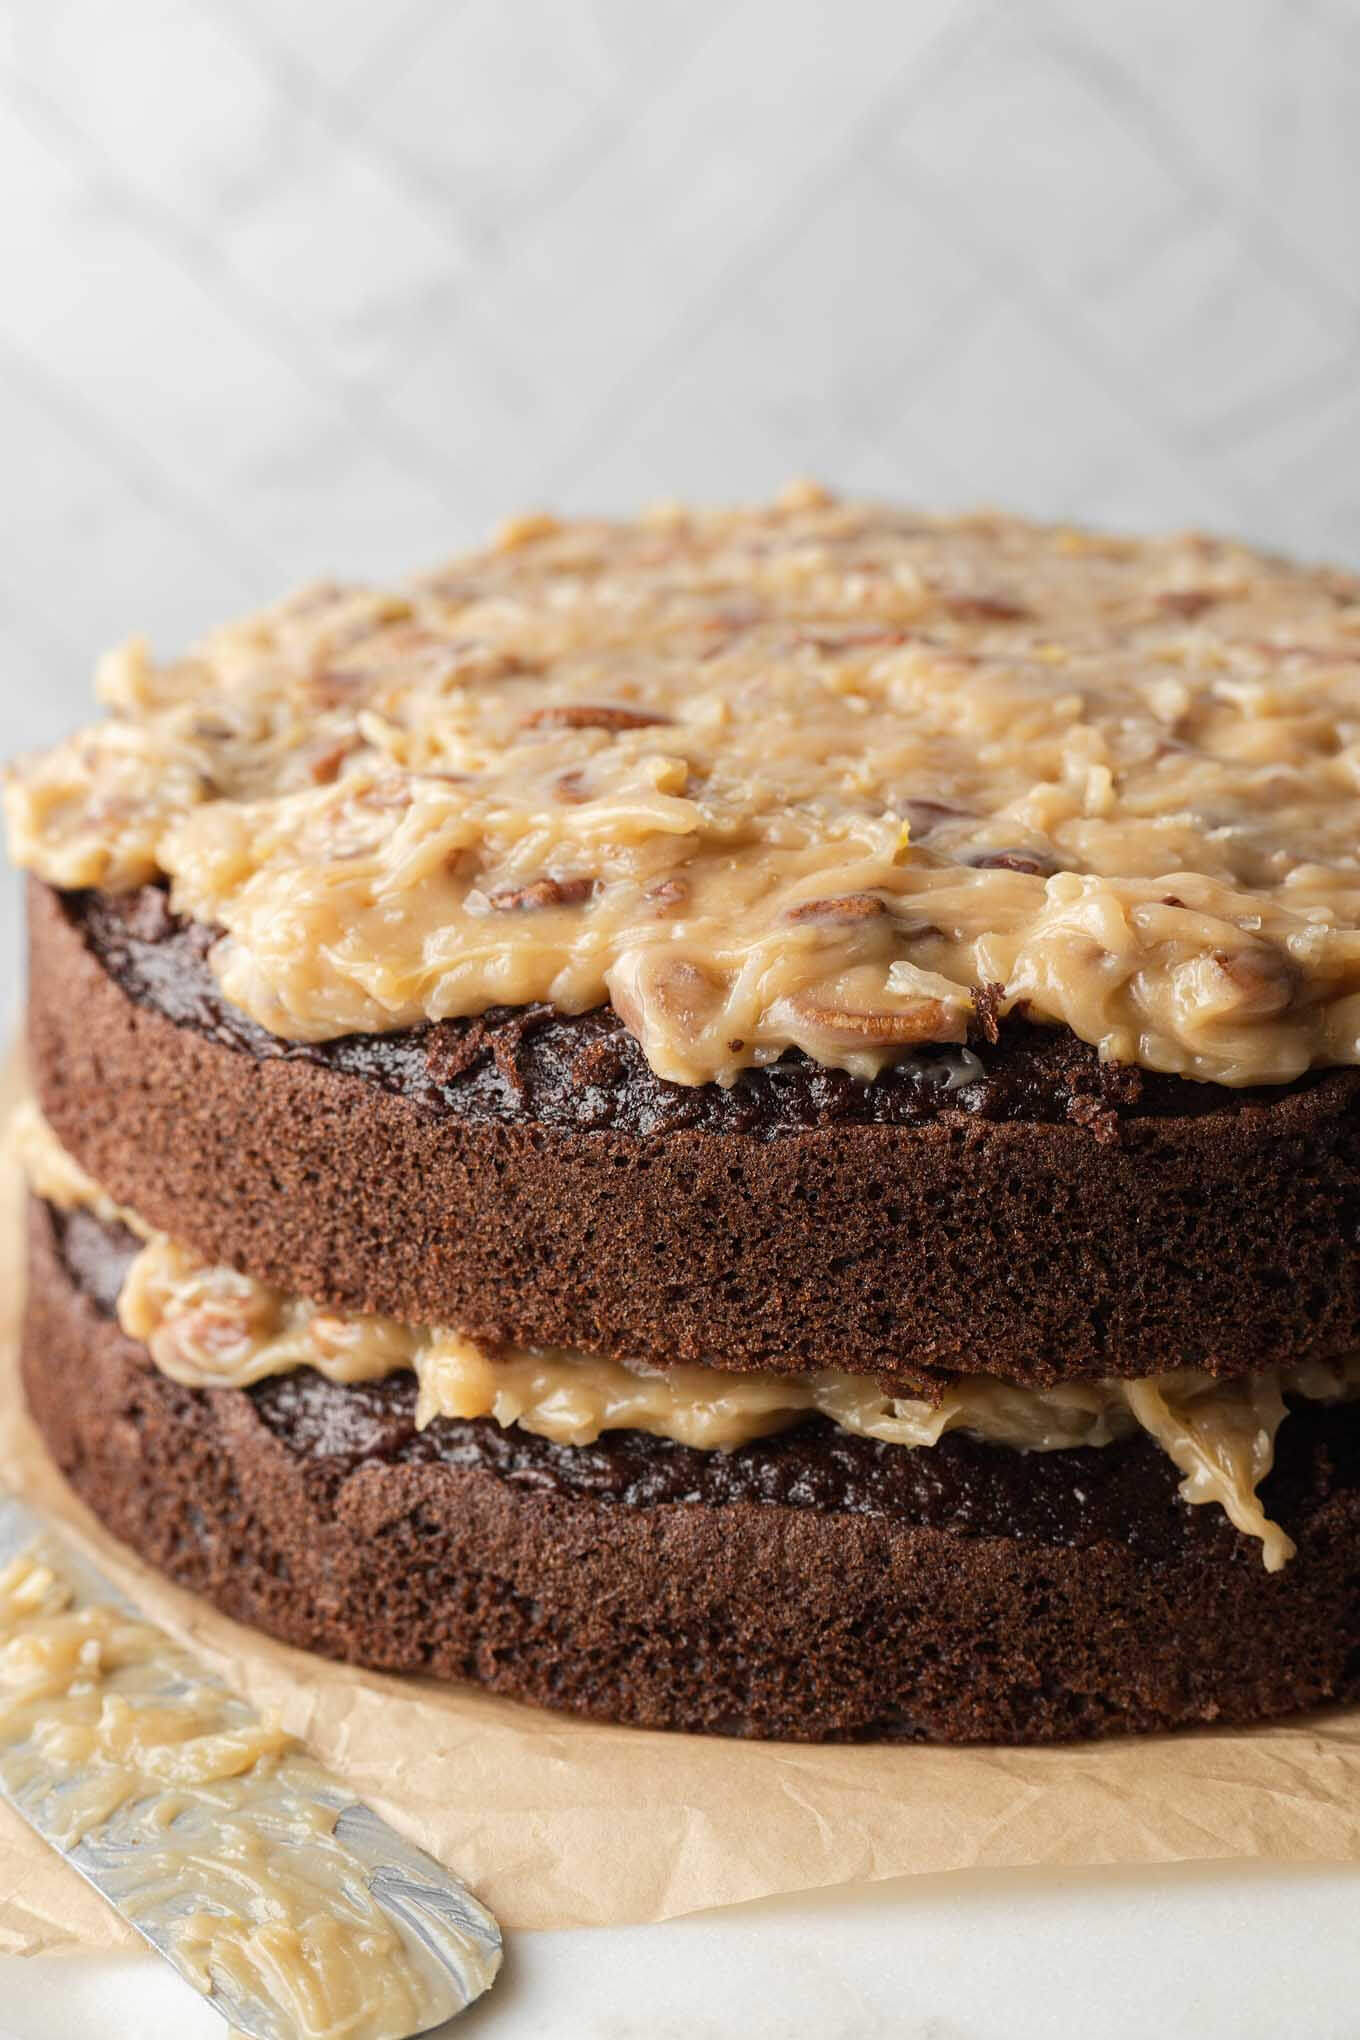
{"x":817,"y":776}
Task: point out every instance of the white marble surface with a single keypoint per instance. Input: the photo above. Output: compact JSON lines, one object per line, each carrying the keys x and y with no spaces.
{"x":293,"y":286}
{"x":1194,"y":1954}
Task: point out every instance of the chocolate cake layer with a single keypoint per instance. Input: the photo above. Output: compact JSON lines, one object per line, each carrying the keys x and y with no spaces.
{"x":524,"y":1178}
{"x":811,"y":1586}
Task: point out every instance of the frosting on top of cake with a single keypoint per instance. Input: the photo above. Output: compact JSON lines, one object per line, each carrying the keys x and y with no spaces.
{"x":819,"y":775}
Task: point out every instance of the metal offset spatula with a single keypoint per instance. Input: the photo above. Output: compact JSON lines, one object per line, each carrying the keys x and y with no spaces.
{"x":173,"y":1858}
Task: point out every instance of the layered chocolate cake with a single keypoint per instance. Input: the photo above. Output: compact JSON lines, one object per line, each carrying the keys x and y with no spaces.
{"x":747,"y":1122}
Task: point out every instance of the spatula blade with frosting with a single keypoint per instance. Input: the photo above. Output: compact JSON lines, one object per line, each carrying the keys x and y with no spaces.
{"x":294,"y":1909}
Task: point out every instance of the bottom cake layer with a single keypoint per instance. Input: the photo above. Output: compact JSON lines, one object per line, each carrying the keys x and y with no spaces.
{"x":812,"y":1586}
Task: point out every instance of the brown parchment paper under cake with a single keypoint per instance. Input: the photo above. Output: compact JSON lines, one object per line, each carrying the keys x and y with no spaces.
{"x":563,"y":1823}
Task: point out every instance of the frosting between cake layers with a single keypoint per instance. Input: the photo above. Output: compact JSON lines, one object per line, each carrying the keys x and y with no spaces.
{"x":810,"y":777}
{"x":214,"y":1327}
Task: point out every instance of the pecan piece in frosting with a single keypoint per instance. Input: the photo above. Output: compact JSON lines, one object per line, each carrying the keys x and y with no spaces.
{"x":926,"y":1020}
{"x":921,"y":816}
{"x":666,"y":893}
{"x":861,"y":906}
{"x":856,"y":640}
{"x":732,"y":617}
{"x":333,"y":687}
{"x":983,"y":608}
{"x":585,"y":715}
{"x":544,"y":892}
{"x":1033,"y":863}
{"x":1189,"y":602}
{"x":325,"y":767}
{"x":1264,"y":980}
{"x":478,"y":664}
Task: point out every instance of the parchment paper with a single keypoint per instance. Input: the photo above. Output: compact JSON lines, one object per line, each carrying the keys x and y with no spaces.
{"x":558,"y":1823}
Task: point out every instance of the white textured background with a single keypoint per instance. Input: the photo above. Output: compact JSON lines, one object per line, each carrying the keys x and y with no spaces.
{"x":291,"y":286}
